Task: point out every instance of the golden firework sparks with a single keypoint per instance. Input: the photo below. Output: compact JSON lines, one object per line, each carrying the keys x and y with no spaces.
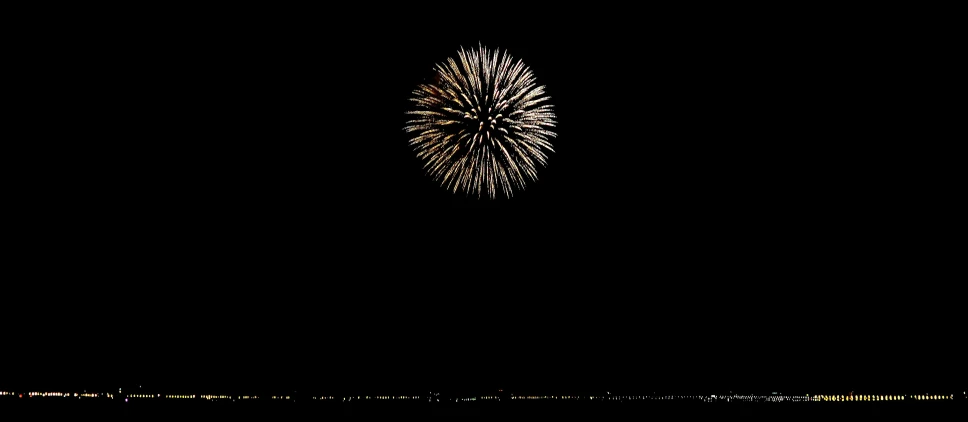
{"x":483,"y":124}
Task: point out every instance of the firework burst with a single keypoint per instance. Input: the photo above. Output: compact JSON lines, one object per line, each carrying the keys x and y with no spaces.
{"x":483,"y":125}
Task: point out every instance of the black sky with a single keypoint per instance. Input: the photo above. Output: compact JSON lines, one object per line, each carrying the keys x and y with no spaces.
{"x":227,"y":199}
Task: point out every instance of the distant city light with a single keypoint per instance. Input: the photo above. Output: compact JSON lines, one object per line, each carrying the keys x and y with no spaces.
{"x":775,"y":397}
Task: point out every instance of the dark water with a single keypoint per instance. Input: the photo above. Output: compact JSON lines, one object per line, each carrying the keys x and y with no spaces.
{"x":40,"y":409}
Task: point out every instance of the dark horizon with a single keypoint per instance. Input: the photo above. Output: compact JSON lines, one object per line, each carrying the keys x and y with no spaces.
{"x":225,"y":393}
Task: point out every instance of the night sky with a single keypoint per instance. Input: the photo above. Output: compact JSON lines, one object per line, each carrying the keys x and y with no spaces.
{"x":227,"y":201}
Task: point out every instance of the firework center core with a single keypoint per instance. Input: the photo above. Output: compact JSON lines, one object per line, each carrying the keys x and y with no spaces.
{"x":484,"y":119}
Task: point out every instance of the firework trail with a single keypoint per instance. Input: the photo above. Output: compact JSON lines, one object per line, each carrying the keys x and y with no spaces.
{"x":483,"y":124}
